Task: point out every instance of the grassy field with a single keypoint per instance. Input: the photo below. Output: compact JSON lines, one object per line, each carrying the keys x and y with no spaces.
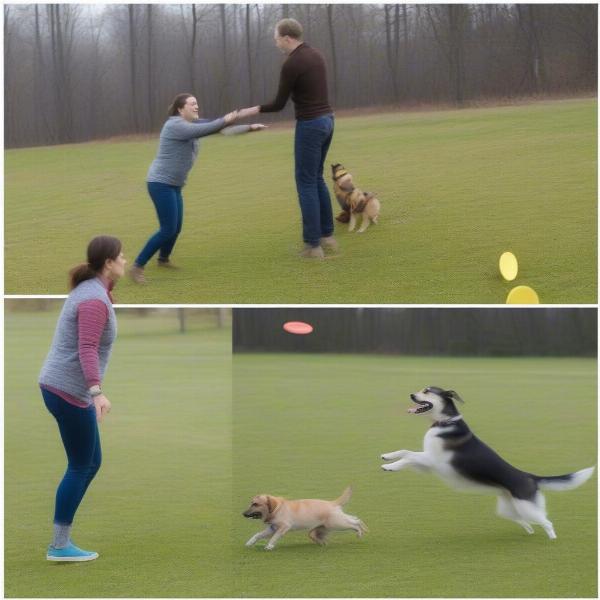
{"x":306,"y":426}
{"x":457,"y":189}
{"x":155,"y":513}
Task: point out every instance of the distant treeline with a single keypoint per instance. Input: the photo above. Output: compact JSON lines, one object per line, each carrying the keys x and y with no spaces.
{"x":421,"y":331}
{"x":80,"y":72}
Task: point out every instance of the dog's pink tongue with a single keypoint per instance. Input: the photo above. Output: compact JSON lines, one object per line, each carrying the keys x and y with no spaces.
{"x":412,"y":409}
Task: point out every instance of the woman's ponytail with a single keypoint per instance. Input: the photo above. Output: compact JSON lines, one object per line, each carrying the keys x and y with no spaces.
{"x":99,"y":250}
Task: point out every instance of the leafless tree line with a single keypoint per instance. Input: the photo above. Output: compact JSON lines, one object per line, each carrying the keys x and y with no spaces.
{"x":80,"y":72}
{"x":421,"y":331}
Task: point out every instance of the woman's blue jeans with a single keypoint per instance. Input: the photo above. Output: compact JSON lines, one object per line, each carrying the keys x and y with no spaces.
{"x":168,"y":202}
{"x":79,"y":432}
{"x":312,"y":141}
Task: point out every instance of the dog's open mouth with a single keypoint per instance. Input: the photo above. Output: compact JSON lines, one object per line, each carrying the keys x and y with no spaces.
{"x":423,"y":406}
{"x":253,"y":515}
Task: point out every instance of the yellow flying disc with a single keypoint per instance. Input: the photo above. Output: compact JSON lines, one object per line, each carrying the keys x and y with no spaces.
{"x":522,"y":294}
{"x":509,"y":267}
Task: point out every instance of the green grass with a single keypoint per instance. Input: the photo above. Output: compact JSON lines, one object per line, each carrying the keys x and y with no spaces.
{"x":457,"y":189}
{"x":306,"y":426}
{"x":159,"y":511}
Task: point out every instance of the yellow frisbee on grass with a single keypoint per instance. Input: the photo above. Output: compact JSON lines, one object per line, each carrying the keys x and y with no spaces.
{"x":522,"y":294}
{"x":509,"y":267}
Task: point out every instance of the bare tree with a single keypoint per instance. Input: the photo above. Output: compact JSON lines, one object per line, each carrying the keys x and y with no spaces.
{"x":535,"y":72}
{"x":333,"y":52}
{"x":10,"y":113}
{"x":391,"y":47}
{"x":149,"y":68}
{"x":224,"y":54}
{"x":133,"y":76}
{"x":249,"y":54}
{"x":448,"y":23}
{"x":61,"y":35}
{"x":408,"y":53}
{"x":581,"y":22}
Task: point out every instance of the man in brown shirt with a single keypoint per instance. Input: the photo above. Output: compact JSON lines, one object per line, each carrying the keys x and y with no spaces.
{"x":304,"y":78}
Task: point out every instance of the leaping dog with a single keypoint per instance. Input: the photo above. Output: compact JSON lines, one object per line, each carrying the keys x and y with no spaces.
{"x":454,"y":453}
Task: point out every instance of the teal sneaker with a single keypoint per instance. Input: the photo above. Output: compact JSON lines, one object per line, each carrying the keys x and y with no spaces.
{"x":70,"y":553}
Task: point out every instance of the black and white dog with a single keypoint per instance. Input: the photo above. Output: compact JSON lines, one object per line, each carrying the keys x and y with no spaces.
{"x":453,"y":452}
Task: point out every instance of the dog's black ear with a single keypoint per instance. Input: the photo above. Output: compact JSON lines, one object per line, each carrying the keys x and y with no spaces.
{"x":452,"y":395}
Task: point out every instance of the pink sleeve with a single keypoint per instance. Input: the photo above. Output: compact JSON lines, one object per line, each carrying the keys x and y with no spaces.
{"x":92,"y":316}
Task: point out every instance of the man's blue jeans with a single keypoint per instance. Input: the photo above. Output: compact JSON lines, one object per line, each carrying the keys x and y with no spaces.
{"x":313,"y":138}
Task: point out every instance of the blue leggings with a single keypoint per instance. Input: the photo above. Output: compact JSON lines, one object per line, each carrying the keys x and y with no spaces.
{"x":168,"y":202}
{"x":81,"y":439}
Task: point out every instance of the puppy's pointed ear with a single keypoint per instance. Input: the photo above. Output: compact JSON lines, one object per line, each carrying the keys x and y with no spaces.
{"x":453,"y":395}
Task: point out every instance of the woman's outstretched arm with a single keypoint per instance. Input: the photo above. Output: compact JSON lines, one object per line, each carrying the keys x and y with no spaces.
{"x":186,"y":130}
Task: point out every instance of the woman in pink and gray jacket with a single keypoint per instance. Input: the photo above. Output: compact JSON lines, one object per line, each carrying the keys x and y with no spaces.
{"x":71,"y":382}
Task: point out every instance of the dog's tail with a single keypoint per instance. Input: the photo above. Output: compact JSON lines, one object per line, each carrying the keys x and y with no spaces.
{"x":561,"y":483}
{"x":345,"y":497}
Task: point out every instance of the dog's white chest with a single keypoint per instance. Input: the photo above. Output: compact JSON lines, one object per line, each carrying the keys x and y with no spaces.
{"x":433,"y":446}
{"x":439,"y":457}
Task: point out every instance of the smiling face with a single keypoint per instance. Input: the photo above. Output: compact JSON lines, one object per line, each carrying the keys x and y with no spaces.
{"x":190,"y":110}
{"x":436,"y":403}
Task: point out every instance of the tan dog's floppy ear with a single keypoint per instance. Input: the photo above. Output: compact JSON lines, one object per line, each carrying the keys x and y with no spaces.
{"x":454,"y":396}
{"x":270,"y":504}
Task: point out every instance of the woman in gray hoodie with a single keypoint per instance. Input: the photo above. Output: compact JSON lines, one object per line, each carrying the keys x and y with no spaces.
{"x":177,"y":151}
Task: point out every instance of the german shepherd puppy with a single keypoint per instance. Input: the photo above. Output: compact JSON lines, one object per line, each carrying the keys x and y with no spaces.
{"x":353,"y":201}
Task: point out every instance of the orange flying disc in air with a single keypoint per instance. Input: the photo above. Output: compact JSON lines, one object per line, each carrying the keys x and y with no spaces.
{"x":297,"y":327}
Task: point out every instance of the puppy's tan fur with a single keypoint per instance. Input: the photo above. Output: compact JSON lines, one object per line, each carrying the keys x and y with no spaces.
{"x":318,"y":516}
{"x":353,"y":200}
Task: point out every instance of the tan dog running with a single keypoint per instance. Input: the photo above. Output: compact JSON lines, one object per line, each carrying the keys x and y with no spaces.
{"x":319,"y":516}
{"x":353,"y":201}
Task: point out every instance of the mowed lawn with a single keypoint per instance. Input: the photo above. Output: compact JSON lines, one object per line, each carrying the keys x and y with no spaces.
{"x":457,"y":189}
{"x":159,"y":511}
{"x":306,"y":426}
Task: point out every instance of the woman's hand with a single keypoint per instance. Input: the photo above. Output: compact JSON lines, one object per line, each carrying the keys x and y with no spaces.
{"x":257,"y":127}
{"x":102,"y":405}
{"x":231,"y":117}
{"x":248,"y":112}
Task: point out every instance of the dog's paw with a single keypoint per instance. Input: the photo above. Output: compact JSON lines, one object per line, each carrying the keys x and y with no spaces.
{"x":269,"y":547}
{"x":387,"y":468}
{"x":250,"y":543}
{"x":394,"y":455}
